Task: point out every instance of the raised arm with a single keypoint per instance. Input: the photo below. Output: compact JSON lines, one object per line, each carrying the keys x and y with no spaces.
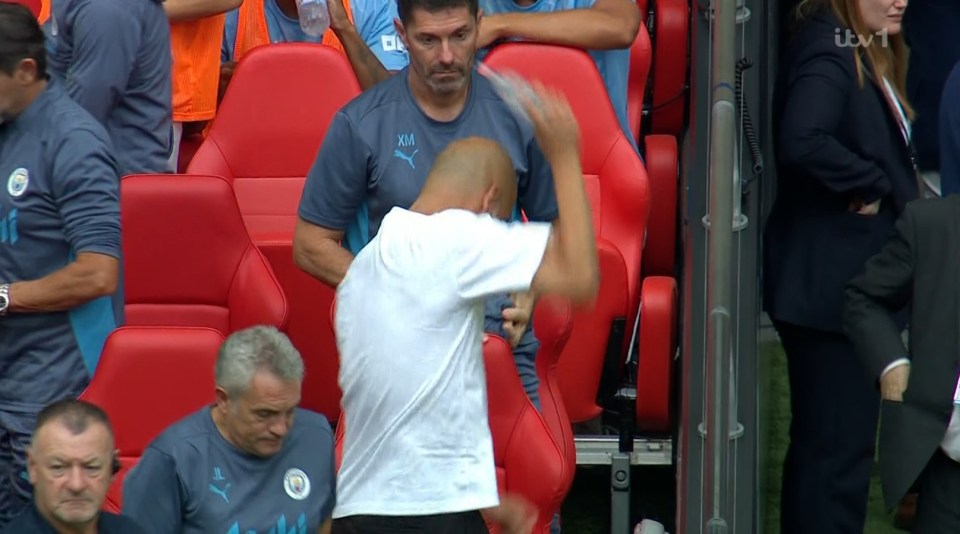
{"x":366,"y":65}
{"x":608,"y":24}
{"x":569,"y":267}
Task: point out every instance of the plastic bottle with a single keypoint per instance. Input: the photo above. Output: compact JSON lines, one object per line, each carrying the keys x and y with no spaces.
{"x":511,"y":88}
{"x":314,"y":17}
{"x":649,"y":526}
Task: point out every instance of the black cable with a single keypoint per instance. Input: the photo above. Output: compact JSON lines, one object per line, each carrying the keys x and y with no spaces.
{"x":748,"y":131}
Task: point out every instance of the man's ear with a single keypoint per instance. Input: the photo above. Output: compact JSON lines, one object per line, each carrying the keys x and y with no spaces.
{"x":401,"y":31}
{"x":491,"y":202}
{"x":26,"y":71}
{"x":222,"y":398}
{"x":31,"y":465}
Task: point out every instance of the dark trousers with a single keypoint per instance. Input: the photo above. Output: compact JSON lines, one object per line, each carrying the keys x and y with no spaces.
{"x":938,"y":506}
{"x":835,"y":408}
{"x":459,"y":523}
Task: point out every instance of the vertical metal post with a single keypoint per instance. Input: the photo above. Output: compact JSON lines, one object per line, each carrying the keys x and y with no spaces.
{"x":720,"y":234}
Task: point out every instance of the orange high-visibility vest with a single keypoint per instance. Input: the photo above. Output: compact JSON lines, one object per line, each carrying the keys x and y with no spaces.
{"x":196,"y":67}
{"x":44,"y":11}
{"x":252,"y":28}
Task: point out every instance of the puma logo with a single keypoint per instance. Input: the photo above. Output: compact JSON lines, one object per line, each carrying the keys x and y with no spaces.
{"x":221,"y":492}
{"x":409,"y":159}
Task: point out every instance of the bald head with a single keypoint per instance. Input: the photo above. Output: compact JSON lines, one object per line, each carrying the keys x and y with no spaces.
{"x":475,"y":174}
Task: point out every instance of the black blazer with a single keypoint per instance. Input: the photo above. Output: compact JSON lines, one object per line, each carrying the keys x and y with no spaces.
{"x":920,"y":265}
{"x":835,"y":142}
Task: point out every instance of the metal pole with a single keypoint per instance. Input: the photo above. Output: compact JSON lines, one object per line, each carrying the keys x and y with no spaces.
{"x":720,"y":232}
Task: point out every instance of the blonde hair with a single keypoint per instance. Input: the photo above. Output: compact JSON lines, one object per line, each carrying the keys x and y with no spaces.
{"x":888,"y":61}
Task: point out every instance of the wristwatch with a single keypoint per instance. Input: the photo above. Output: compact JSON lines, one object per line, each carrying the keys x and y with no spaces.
{"x":4,"y":299}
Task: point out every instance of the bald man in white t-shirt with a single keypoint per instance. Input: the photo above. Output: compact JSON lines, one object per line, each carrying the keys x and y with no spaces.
{"x":418,"y":455}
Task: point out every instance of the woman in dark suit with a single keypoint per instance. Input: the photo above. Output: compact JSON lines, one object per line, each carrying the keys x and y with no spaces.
{"x":844,"y":173}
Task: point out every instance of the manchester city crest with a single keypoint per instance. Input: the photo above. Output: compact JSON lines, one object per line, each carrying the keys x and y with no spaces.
{"x":296,"y":484}
{"x":18,"y":181}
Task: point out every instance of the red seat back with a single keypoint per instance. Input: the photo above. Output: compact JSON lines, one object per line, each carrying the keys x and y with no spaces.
{"x":273,"y":118}
{"x":147,"y":379}
{"x":670,"y":65}
{"x":553,"y":323}
{"x":641,"y":55}
{"x":264,"y":139}
{"x":188,"y":260}
{"x":619,"y":193}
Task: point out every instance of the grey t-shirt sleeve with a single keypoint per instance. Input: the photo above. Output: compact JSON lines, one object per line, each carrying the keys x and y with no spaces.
{"x":106,"y":39}
{"x":535,"y":191}
{"x":151,"y":494}
{"x":337,"y":183}
{"x":86,"y":184}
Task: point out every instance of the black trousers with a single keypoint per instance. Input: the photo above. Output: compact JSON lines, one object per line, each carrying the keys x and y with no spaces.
{"x":938,"y":506}
{"x":833,"y":432}
{"x":458,"y":523}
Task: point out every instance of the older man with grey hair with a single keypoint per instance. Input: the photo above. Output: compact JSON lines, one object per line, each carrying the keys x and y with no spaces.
{"x":252,"y":462}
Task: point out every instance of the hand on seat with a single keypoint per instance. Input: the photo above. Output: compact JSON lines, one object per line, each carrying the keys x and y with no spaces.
{"x":517,"y":317}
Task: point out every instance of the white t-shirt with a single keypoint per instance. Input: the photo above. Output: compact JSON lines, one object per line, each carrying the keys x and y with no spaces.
{"x":409,"y":322}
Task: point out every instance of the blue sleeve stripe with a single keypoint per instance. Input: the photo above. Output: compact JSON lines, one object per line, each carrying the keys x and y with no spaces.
{"x":91,"y":324}
{"x":358,"y":233}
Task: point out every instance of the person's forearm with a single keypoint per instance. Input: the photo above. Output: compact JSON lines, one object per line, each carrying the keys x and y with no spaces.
{"x":582,"y":28}
{"x":574,"y":227}
{"x":366,"y":66}
{"x":183,"y":10}
{"x":71,"y":286}
{"x":327,"y":262}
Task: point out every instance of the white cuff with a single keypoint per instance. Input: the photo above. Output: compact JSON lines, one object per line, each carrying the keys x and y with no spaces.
{"x":896,"y":363}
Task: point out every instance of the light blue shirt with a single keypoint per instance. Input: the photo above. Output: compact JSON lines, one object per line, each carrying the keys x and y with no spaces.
{"x":372,"y":18}
{"x":614,"y":65}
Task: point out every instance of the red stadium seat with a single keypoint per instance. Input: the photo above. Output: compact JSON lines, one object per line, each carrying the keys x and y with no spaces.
{"x":147,"y":379}
{"x":529,"y":463}
{"x":641,"y":55}
{"x":660,"y":251}
{"x":188,"y":260}
{"x":658,"y":350}
{"x":670,"y":64}
{"x":553,"y":322}
{"x":619,"y":193}
{"x":264,"y":139}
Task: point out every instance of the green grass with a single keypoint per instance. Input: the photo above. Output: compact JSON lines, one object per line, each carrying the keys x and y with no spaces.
{"x":587,"y":507}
